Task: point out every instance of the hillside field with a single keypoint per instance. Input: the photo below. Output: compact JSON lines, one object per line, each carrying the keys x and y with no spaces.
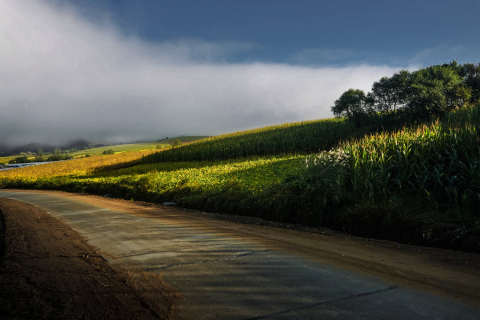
{"x":183,"y":139}
{"x":131,"y":147}
{"x":417,"y":185}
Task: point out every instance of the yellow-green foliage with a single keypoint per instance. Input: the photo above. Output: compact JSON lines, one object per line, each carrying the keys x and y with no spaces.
{"x":121,"y":148}
{"x":99,"y":150}
{"x":75,"y":167}
{"x":246,"y":175}
{"x":5,"y":160}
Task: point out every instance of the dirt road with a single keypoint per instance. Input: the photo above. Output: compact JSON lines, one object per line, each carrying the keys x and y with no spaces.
{"x":49,"y":271}
{"x":244,"y":271}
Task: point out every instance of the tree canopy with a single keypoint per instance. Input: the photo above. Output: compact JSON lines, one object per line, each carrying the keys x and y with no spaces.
{"x":421,"y":94}
{"x":354,"y":105}
{"x":471,"y":78}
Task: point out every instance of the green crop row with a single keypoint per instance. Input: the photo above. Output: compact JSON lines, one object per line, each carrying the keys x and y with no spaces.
{"x":426,"y":177}
{"x":290,"y":138}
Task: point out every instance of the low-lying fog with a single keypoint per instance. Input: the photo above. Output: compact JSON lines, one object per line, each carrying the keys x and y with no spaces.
{"x":63,"y":78}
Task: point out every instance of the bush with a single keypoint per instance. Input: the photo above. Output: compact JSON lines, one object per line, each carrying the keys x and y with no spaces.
{"x":22,"y":159}
{"x":106,"y":152}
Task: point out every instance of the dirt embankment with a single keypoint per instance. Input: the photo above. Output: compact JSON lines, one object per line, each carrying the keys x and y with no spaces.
{"x":48,"y":271}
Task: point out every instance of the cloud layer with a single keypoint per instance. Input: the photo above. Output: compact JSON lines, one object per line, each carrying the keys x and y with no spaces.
{"x":63,"y":78}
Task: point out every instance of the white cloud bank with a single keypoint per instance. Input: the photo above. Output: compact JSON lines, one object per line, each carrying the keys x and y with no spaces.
{"x":63,"y":78}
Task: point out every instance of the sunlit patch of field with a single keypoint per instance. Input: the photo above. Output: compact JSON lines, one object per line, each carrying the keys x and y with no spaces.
{"x":5,"y":160}
{"x":249,"y":176}
{"x":74,"y":167}
{"x":120,"y":148}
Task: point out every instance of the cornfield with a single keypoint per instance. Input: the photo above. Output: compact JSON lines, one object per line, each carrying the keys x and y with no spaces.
{"x":439,"y":162}
{"x":290,"y":138}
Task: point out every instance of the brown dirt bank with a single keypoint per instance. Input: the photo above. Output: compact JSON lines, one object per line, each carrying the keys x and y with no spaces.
{"x":48,"y":271}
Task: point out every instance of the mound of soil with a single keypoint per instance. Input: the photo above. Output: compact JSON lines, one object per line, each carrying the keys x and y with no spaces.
{"x":49,"y":271}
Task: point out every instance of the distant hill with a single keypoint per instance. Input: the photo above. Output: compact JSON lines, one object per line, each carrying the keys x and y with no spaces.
{"x":33,"y":147}
{"x":5,"y":150}
{"x":79,"y":144}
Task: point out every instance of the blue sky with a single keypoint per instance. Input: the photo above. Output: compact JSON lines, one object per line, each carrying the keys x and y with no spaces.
{"x":398,"y":33}
{"x":110,"y":71}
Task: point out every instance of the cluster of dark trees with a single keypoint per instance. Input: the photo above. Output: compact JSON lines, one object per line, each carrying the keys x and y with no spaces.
{"x":31,"y":147}
{"x":40,"y":156}
{"x":413,"y":96}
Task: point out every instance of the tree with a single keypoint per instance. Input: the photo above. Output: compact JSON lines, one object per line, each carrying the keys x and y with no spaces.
{"x":39,"y":156}
{"x":177,"y":143}
{"x":21,"y":159}
{"x":415,"y":96}
{"x":471,"y":78}
{"x":390,"y":93}
{"x":57,"y":155}
{"x":436,"y":90}
{"x":354,"y":105}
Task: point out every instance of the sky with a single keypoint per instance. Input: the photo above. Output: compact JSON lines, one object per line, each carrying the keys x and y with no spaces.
{"x":120,"y":71}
